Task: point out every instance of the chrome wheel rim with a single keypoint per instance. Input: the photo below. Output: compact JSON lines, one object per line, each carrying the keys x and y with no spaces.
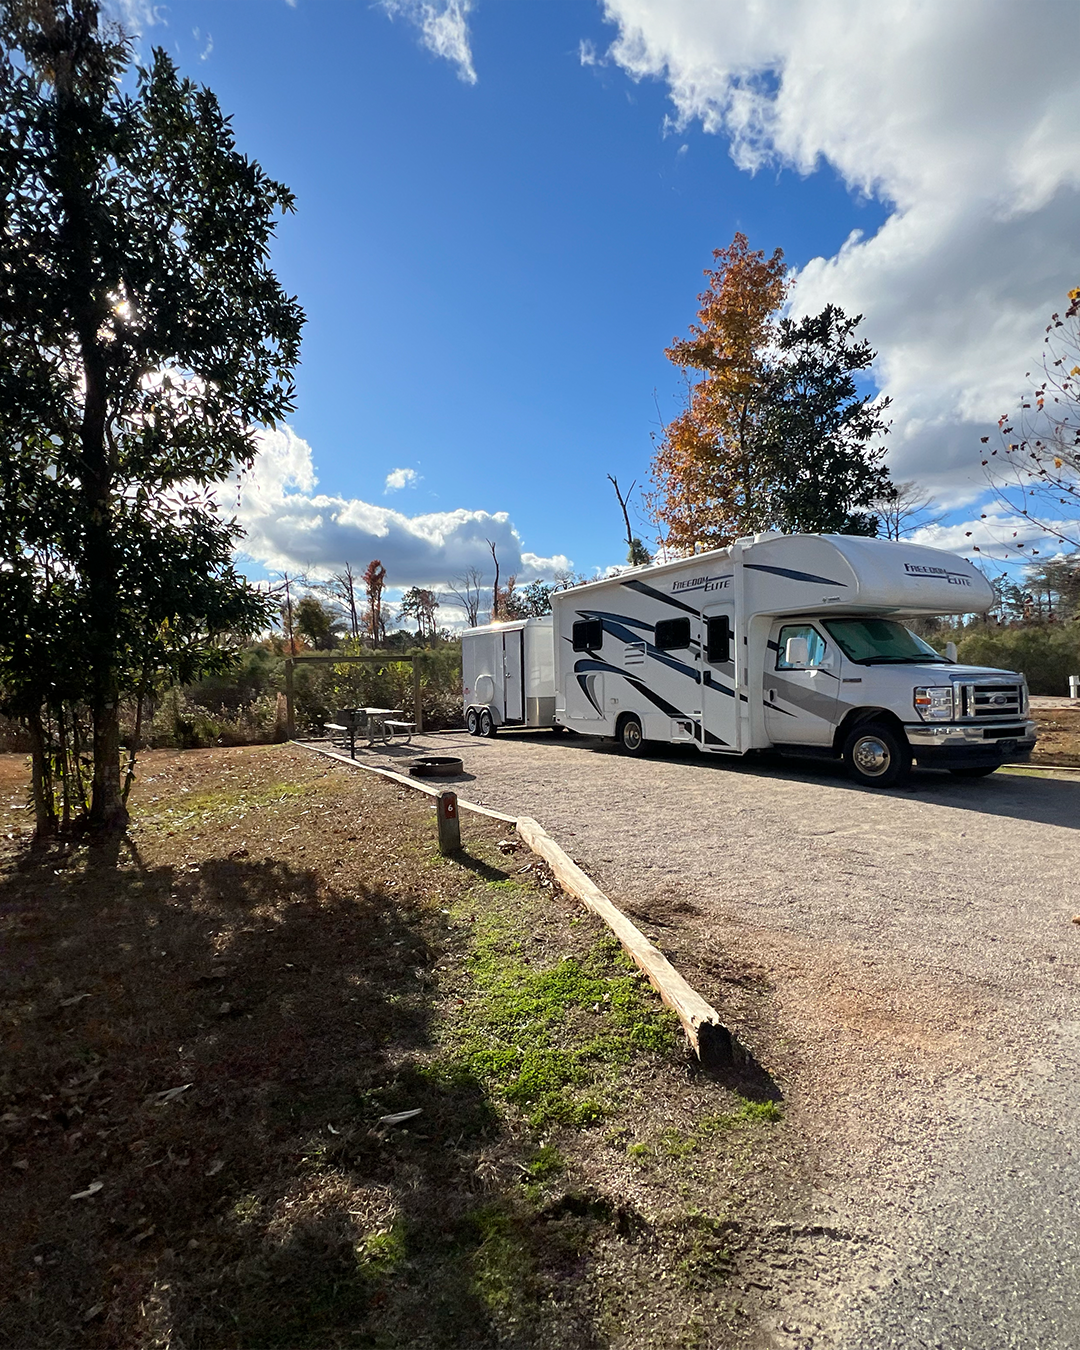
{"x":631,"y":736}
{"x":871,"y":756}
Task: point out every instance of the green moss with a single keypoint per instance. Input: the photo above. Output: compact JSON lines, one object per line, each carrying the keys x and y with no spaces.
{"x":547,"y":1162}
{"x":755,"y":1111}
{"x":538,"y":1035}
{"x":502,"y":1268}
{"x":381,"y":1251}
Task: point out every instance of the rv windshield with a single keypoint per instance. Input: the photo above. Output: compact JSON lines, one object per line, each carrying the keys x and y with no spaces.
{"x":872,"y":642}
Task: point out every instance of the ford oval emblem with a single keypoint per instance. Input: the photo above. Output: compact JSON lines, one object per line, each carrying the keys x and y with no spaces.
{"x":999,"y":699}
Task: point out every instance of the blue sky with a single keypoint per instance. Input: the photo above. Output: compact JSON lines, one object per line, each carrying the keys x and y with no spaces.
{"x":504,"y":211}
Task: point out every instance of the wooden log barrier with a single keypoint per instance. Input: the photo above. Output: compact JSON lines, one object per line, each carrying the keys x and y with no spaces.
{"x":713,"y":1044}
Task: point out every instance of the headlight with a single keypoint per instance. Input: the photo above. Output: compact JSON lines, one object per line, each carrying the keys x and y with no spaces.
{"x":935,"y":704}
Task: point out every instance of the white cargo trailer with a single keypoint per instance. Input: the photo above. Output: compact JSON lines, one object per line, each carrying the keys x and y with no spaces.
{"x":508,"y":673}
{"x":792,"y":643}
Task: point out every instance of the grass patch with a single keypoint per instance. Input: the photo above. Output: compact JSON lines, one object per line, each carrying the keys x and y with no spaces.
{"x":673,"y":1143}
{"x":549,"y":1037}
{"x":203,"y":807}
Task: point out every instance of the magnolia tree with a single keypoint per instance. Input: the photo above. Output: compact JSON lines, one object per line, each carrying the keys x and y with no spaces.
{"x":145,"y":337}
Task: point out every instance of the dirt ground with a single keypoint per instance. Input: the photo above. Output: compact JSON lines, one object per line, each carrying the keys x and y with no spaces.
{"x":208,"y":1036}
{"x":1059,"y":736}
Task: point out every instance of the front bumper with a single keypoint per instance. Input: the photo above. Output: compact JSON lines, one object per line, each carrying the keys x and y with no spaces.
{"x":971,"y":746}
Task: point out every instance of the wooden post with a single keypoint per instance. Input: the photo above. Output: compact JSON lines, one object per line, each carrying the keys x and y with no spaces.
{"x":418,"y":710}
{"x":446,"y":813}
{"x":290,"y":713}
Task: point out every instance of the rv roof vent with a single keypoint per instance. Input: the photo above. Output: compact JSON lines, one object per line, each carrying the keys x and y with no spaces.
{"x":766,"y":535}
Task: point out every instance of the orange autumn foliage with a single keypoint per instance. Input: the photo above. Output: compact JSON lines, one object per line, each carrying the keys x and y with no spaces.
{"x":705,"y":495}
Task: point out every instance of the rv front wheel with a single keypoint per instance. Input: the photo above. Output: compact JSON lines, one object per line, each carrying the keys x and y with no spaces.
{"x":487,"y":724}
{"x":875,"y":756}
{"x":630,"y":737}
{"x":472,"y":722}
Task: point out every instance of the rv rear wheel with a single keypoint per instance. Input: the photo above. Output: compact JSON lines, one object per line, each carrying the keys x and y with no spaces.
{"x":876,"y":756}
{"x":472,"y":722}
{"x":487,"y":724}
{"x":630,"y":737}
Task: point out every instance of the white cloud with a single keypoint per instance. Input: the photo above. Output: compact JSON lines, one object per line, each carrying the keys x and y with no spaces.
{"x":587,"y":52}
{"x":962,"y":118}
{"x":996,"y":535}
{"x":291,"y":526}
{"x":397,"y":479}
{"x":135,"y":16}
{"x":444,"y":29}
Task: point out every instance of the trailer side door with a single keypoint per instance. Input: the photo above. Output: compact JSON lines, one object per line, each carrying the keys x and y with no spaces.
{"x":513,"y":670}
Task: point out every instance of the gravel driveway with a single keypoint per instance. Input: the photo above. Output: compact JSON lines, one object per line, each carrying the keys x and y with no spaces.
{"x":904,"y":963}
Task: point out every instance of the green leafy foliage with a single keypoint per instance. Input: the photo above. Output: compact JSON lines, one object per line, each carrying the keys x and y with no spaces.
{"x":815,"y":433}
{"x":145,"y":338}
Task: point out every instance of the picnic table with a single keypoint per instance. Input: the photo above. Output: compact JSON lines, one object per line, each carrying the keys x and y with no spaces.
{"x":377,"y":724}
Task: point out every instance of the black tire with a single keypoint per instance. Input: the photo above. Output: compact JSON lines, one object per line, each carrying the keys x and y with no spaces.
{"x":630,"y":737}
{"x":487,"y":723}
{"x":472,"y":722}
{"x":972,"y":771}
{"x":876,"y":756}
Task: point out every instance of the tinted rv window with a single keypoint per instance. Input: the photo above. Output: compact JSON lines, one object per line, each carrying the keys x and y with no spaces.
{"x":588,"y":634}
{"x":672,"y":633}
{"x":718,"y":647}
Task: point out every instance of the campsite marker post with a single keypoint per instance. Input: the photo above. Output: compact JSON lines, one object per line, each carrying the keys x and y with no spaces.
{"x":446,"y":813}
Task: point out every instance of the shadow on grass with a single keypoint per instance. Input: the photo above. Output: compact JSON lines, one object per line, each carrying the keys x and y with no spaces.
{"x":216,"y":1046}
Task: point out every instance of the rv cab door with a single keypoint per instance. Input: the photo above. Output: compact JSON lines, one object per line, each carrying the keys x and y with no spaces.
{"x":801,"y":685}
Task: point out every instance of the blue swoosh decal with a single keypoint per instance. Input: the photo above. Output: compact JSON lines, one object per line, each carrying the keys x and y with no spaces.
{"x":793,"y":576}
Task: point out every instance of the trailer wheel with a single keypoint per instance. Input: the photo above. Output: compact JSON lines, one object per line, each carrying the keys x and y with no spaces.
{"x":472,"y":722}
{"x":876,"y":756}
{"x":487,"y":723}
{"x":630,"y":736}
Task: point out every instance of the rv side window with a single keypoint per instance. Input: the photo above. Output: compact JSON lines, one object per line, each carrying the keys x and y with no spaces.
{"x":671,"y":634}
{"x":718,"y":639}
{"x":815,"y":647}
{"x":588,"y":634}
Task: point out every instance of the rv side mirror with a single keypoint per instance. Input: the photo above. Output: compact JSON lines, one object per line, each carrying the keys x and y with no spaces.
{"x":796,"y":652}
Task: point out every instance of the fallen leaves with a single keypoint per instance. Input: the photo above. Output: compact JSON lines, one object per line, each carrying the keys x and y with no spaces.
{"x":169,"y":1095}
{"x":92,"y":1189}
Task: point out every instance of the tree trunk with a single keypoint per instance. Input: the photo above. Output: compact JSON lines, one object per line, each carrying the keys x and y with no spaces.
{"x":44,"y":806}
{"x":107,"y":809}
{"x":98,"y":563}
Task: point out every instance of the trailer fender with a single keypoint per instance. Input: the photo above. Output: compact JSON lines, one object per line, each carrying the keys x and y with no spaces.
{"x":859,"y":715}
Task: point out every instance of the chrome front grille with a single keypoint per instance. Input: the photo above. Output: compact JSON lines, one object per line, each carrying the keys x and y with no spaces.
{"x":978,"y":701}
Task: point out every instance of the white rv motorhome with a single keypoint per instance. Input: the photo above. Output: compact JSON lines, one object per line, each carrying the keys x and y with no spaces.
{"x":793,"y":643}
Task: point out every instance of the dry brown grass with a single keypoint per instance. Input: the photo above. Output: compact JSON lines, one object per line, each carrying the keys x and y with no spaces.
{"x":279,"y":940}
{"x":1059,"y":736}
